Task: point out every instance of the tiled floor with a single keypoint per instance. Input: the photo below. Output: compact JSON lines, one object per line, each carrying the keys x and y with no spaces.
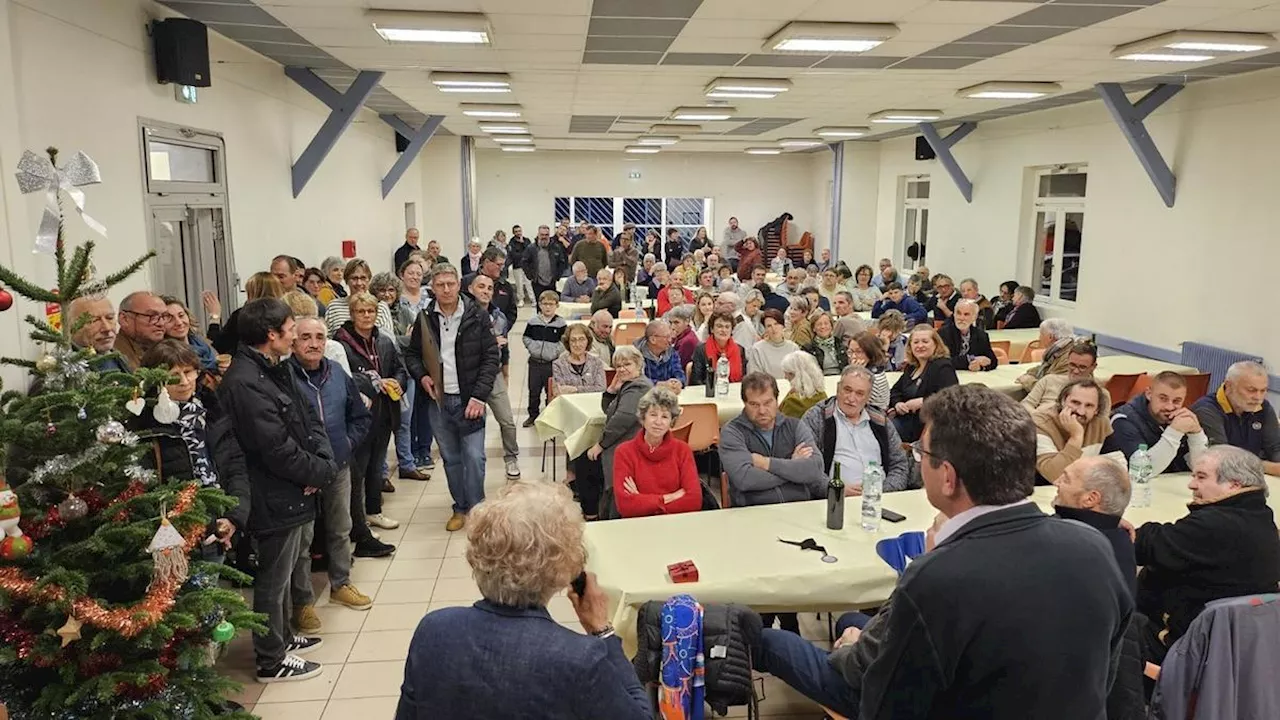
{"x":363,"y":653}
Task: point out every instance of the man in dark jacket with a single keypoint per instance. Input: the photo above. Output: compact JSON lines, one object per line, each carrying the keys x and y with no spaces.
{"x":333,"y":395}
{"x":517,"y":246}
{"x":544,"y":262}
{"x":1160,"y":420}
{"x":288,"y":459}
{"x":1240,"y":415}
{"x":1024,"y":314}
{"x":895,"y":299}
{"x":454,"y":356}
{"x":969,"y":344}
{"x":943,"y":302}
{"x":847,"y":429}
{"x":1226,"y":546}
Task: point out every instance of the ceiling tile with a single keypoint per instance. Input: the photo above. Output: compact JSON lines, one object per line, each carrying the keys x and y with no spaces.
{"x":978,"y":14}
{"x":259,"y":33}
{"x":934,"y":63}
{"x":524,"y":25}
{"x":755,"y":9}
{"x":1072,"y":16}
{"x":645,"y":8}
{"x":757,"y":30}
{"x":621,"y":58}
{"x":535,"y":7}
{"x":971,"y":50}
{"x":301,"y":18}
{"x":230,"y":14}
{"x":707,"y":59}
{"x":1138,"y":3}
{"x":636,"y":44}
{"x":761,"y":126}
{"x":857,"y":62}
{"x":788,"y":61}
{"x":620,"y":27}
{"x":1014,"y":34}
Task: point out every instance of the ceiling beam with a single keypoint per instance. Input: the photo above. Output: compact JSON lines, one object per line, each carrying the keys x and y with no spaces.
{"x":1131,"y":119}
{"x":342,"y":111}
{"x":418,"y":139}
{"x":942,"y":149}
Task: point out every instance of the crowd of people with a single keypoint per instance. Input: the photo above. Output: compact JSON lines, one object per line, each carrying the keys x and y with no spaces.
{"x":293,"y":402}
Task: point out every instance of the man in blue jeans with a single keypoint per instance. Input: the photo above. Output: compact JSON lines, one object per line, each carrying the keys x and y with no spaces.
{"x":454,"y":357}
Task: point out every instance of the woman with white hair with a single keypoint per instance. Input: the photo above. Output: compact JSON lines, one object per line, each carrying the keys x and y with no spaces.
{"x":332,"y":269}
{"x":753,"y":309}
{"x":619,"y":402}
{"x":471,"y":261}
{"x":807,"y":386}
{"x":504,"y":656}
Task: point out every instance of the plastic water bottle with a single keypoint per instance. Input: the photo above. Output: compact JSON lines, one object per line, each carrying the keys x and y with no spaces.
{"x":722,"y":376}
{"x":1140,"y":477}
{"x":835,"y":501}
{"x":872,"y":487}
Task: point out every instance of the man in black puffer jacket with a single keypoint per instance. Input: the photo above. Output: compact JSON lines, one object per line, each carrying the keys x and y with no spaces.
{"x":453,"y":356}
{"x":288,"y":459}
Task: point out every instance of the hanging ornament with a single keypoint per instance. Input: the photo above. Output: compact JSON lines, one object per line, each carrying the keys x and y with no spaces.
{"x":47,"y":363}
{"x":15,"y":545}
{"x":70,"y":631}
{"x":135,"y":405}
{"x":50,"y":429}
{"x":111,"y":432}
{"x":73,"y":508}
{"x":168,"y":549}
{"x":6,"y":300}
{"x":224,"y":632}
{"x":166,"y":410}
{"x":82,"y":414}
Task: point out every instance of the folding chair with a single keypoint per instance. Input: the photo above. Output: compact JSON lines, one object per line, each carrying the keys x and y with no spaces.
{"x":1197,"y":387}
{"x":551,"y":395}
{"x":626,"y":333}
{"x":1120,"y":388}
{"x":1037,"y":355}
{"x":682,"y":433}
{"x":1026,"y":352}
{"x":1005,"y":345}
{"x":724,"y":490}
{"x":608,"y":376}
{"x":1144,"y":382}
{"x":1002,"y":356}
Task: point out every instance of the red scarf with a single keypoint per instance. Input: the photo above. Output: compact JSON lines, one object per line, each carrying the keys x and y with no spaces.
{"x":731,"y":351}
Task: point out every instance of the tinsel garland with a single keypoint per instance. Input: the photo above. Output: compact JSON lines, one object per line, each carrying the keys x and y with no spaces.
{"x":38,"y":528}
{"x":128,"y":621}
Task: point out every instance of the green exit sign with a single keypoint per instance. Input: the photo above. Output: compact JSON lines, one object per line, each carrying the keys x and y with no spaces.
{"x":635,"y":175}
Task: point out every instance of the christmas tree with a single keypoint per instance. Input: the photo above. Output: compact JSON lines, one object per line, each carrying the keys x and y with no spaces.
{"x":104,"y":611}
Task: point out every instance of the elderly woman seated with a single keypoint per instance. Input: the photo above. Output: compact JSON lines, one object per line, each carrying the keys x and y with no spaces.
{"x":798,"y":329}
{"x":825,"y":347}
{"x":720,"y":344}
{"x":807,"y":385}
{"x":620,"y":402}
{"x":505,"y":657}
{"x":654,"y":473}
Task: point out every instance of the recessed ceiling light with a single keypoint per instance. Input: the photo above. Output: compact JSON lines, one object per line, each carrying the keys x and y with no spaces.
{"x":675,"y":129}
{"x":455,"y":82}
{"x":764,"y":151}
{"x":801,"y":142}
{"x":431,"y":27}
{"x":816,"y":37}
{"x":505,"y":128}
{"x":997,"y":90}
{"x":518,"y":148}
{"x":658,"y":139}
{"x":512,"y":139}
{"x":746,"y":88}
{"x":480,"y":110}
{"x":1192,"y":46}
{"x":703,"y":113}
{"x":836,"y":131}
{"x":642,"y":149}
{"x":905,"y":116}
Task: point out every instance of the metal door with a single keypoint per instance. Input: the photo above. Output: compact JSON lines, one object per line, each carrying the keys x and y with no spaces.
{"x":192,"y":256}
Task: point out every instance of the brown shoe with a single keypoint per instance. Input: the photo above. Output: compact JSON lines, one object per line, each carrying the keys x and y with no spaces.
{"x":413,"y":474}
{"x":305,"y":619}
{"x":387,"y":486}
{"x":456,"y":523}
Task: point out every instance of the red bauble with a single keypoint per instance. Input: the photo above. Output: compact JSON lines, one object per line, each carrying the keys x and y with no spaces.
{"x":14,"y":548}
{"x":6,"y":300}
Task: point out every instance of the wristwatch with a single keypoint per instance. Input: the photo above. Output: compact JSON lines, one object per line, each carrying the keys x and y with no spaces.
{"x":605,"y":632}
{"x":214,"y":318}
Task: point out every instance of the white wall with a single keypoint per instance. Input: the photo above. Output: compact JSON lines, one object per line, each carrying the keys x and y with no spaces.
{"x":1148,"y":273}
{"x":82,"y":76}
{"x":521,"y":188}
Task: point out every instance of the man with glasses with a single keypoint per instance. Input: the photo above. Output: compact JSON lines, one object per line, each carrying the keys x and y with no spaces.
{"x":661,"y":361}
{"x":943,"y":302}
{"x":143,"y":319}
{"x":1082,"y":361}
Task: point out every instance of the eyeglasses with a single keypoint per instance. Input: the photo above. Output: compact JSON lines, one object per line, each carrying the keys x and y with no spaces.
{"x":918,"y":452}
{"x":152,"y":318}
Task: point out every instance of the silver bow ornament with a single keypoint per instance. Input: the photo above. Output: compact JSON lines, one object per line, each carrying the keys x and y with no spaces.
{"x":36,"y":173}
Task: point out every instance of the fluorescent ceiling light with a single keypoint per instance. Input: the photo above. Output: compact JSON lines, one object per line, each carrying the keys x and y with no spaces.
{"x":997,"y":90}
{"x":642,"y":149}
{"x":740,"y":95}
{"x":658,"y":139}
{"x":703,"y":113}
{"x":747,"y":88}
{"x":431,"y":27}
{"x":512,"y":139}
{"x":675,"y":129}
{"x":519,"y":148}
{"x":905,"y":116}
{"x":816,"y":37}
{"x":505,"y":128}
{"x":480,"y":110}
{"x":801,"y":142}
{"x":841,"y":131}
{"x":1192,"y":46}
{"x":456,"y":82}
{"x":764,"y":151}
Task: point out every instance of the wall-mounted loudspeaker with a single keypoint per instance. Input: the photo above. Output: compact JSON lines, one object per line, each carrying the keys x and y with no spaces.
{"x":924,"y":151}
{"x":182,"y":51}
{"x":402,"y":143}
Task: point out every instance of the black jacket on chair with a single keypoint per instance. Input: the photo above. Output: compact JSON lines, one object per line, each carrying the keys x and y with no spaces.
{"x":286,"y":449}
{"x":1022,"y":317}
{"x":976,"y":631}
{"x":979,"y":345}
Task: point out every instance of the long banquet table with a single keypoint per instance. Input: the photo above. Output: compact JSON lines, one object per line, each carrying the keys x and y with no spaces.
{"x":579,"y":417}
{"x":739,"y":558}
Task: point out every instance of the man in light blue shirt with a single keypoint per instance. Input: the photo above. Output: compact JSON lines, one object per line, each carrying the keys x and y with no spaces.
{"x":850,"y":431}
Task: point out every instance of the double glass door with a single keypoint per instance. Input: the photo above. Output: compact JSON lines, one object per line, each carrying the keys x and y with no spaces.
{"x":192,"y":256}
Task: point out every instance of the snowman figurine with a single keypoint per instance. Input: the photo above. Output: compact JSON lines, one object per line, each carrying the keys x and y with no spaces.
{"x":15,"y":545}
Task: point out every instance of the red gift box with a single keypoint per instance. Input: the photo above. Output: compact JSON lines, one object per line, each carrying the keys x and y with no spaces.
{"x":683,"y":572}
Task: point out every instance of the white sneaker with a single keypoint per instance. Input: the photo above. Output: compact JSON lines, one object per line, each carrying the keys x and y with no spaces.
{"x":382,"y":521}
{"x":513,"y":469}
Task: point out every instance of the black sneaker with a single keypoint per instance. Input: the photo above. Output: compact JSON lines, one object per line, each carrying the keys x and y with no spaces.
{"x":372,"y":548}
{"x":529,"y":423}
{"x":287,"y":670}
{"x":301,"y":644}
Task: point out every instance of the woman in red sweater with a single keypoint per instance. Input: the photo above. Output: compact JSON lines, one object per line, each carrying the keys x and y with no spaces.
{"x":654,"y":473}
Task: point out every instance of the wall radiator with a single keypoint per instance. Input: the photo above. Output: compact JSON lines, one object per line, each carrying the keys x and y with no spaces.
{"x":1213,"y":360}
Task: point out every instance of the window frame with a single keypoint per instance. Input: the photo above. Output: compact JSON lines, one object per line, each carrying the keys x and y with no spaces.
{"x":1056,"y":210}
{"x":919,"y":207}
